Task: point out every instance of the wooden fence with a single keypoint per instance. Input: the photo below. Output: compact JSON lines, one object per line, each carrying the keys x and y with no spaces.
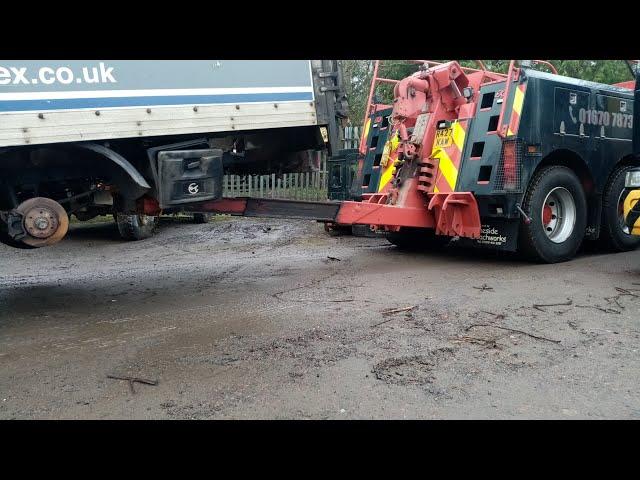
{"x":351,"y":137}
{"x":292,"y":186}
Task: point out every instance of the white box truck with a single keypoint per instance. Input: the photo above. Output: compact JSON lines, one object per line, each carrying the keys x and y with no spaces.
{"x":137,"y":137}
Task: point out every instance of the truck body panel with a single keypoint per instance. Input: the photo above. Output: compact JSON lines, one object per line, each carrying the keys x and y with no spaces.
{"x":66,"y":101}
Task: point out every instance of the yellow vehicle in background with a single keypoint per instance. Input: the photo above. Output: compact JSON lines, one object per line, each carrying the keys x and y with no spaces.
{"x":631,"y":206}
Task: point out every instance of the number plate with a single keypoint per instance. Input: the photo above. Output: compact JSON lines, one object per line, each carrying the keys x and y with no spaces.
{"x":444,"y":137}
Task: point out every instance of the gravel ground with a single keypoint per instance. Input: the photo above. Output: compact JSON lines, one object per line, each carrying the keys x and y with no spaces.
{"x":253,"y":318}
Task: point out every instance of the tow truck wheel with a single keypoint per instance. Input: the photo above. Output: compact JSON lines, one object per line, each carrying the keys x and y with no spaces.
{"x":614,"y":234}
{"x":557,"y":207}
{"x":137,"y":226}
{"x":417,"y":239}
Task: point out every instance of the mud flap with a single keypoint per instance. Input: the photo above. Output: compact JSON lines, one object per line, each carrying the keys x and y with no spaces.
{"x":189,"y":176}
{"x":456,"y":214}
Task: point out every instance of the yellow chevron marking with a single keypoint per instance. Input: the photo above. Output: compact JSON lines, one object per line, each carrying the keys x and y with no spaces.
{"x":448,"y":169}
{"x":509,"y":132}
{"x":395,"y":141}
{"x":386,"y":177}
{"x":629,"y":203}
{"x":436,"y":189}
{"x":518,"y":100}
{"x":387,"y":161}
{"x":458,"y":135}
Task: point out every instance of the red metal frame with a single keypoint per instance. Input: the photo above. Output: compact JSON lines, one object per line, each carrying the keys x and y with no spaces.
{"x":512,"y":75}
{"x":371,"y":108}
{"x":436,"y":92}
{"x":425,"y":199}
{"x":375,"y":80}
{"x":421,"y":198}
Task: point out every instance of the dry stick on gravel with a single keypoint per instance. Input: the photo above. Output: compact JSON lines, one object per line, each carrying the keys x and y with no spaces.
{"x":491,"y":342}
{"x":398,"y":310}
{"x":605,"y":310}
{"x":538,"y":306}
{"x":499,"y":316}
{"x":391,"y":312}
{"x":510,"y":330}
{"x":132,"y":380}
{"x":310,"y":284}
{"x":625,"y":291}
{"x":622,"y":292}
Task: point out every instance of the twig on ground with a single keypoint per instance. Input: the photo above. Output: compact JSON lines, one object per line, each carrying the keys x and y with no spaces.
{"x":398,"y":310}
{"x":538,"y":306}
{"x":511,"y":330}
{"x":491,"y":342}
{"x":605,"y":310}
{"x":132,"y":380}
{"x":391,"y":312}
{"x":499,"y":316}
{"x":625,"y":291}
{"x":484,"y":288}
{"x":616,"y":300}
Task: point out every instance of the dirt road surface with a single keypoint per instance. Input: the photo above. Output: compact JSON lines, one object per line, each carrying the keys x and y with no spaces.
{"x":246,"y":319}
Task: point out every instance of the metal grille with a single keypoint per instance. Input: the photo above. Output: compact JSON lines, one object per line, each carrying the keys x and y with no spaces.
{"x":508,"y":178}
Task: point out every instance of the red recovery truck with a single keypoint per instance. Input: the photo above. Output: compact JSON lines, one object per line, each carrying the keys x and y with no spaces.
{"x":529,"y":161}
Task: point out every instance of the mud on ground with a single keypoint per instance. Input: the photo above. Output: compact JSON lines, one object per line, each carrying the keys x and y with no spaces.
{"x":248,"y":318}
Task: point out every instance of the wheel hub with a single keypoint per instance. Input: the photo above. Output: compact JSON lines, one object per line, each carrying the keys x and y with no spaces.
{"x":40,"y":222}
{"x":44,"y":222}
{"x":558,"y":214}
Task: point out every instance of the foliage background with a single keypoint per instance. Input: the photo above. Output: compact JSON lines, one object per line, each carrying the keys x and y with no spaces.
{"x":358,"y":73}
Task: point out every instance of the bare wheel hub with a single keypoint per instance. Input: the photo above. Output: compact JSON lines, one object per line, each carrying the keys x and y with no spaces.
{"x":45,"y":221}
{"x":41,"y":222}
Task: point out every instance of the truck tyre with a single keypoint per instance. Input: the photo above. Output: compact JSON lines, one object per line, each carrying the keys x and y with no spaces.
{"x":614,"y":234}
{"x":556,"y":204}
{"x":136,"y":227}
{"x":415,"y":239}
{"x":202,"y":217}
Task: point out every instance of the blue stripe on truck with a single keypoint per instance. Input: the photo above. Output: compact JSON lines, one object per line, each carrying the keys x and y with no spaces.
{"x":107,"y":102}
